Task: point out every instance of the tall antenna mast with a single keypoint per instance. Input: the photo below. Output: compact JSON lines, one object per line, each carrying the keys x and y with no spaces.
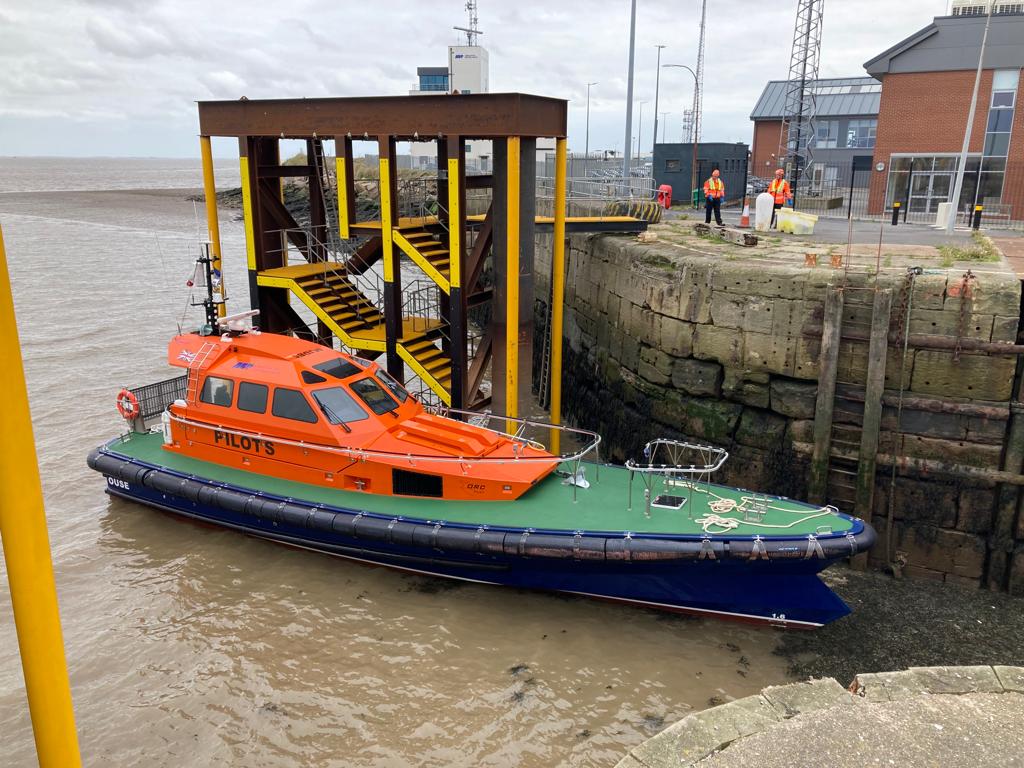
{"x":474,"y":24}
{"x":796,"y":137}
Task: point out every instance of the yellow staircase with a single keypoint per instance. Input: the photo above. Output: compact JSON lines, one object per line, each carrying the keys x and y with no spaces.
{"x":429,"y":254}
{"x":325,"y":288}
{"x":429,"y":362}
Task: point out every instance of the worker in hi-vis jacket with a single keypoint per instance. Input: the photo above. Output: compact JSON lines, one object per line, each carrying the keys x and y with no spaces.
{"x":714,"y":192}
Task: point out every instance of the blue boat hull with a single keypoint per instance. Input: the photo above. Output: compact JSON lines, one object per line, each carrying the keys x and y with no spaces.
{"x":708,"y":578}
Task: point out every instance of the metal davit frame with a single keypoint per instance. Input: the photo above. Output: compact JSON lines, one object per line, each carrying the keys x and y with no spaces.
{"x":681,"y":465}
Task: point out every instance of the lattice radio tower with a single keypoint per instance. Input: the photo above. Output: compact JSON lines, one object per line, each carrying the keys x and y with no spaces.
{"x":797,"y":134}
{"x":474,"y":24}
{"x":699,"y":84}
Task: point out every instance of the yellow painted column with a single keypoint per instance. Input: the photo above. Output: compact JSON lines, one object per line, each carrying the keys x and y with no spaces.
{"x":386,"y":231}
{"x":212,"y":222}
{"x":454,"y":230}
{"x":247,"y":217}
{"x":512,"y":283}
{"x":27,"y":553}
{"x":557,"y":293}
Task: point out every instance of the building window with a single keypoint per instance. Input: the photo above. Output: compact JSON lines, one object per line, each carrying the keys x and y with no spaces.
{"x":433,"y":82}
{"x":1000,"y":113}
{"x":827,"y":134}
{"x":671,"y":165}
{"x":860,"y":134}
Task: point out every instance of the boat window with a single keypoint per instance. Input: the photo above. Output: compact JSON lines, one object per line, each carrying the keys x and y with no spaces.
{"x":373,"y":394}
{"x":217,"y":391}
{"x":338,"y":405}
{"x":393,"y":386}
{"x":339,"y":368}
{"x":252,"y":397}
{"x":290,"y":404}
{"x":312,"y":378}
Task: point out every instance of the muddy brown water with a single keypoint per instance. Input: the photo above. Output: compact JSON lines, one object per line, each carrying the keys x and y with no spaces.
{"x":189,"y":645}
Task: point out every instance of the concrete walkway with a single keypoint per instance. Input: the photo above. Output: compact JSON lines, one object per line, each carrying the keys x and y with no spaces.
{"x":925,"y":716}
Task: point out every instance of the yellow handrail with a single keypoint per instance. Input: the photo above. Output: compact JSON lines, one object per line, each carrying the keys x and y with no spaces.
{"x":27,"y":553}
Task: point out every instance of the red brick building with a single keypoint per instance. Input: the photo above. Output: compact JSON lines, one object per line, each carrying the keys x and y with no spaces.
{"x":927,"y":81}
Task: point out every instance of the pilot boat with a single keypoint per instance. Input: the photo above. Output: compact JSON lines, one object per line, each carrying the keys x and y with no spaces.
{"x":293,"y":441}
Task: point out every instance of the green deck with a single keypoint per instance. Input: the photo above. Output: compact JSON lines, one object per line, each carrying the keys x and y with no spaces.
{"x":602,"y":507}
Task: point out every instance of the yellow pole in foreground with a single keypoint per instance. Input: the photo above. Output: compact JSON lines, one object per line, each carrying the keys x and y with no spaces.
{"x":512,"y":284}
{"x":27,"y":553}
{"x":557,"y":294}
{"x":212,"y":224}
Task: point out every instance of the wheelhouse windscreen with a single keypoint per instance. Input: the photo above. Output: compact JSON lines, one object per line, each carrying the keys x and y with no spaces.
{"x":396,"y":389}
{"x":338,"y":368}
{"x":373,"y":394}
{"x":338,"y":405}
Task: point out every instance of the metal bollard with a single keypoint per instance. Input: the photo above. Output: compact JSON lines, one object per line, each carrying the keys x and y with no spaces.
{"x":976,"y":221}
{"x":895,"y":214}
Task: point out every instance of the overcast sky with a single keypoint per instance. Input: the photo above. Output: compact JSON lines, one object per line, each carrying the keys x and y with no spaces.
{"x":121,"y":77}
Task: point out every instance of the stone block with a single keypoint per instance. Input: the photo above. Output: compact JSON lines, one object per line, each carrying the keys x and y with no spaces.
{"x":1005,"y":328}
{"x":644,"y":324}
{"x":630,"y":357}
{"x":943,"y":550}
{"x":697,"y":377}
{"x":899,"y":366}
{"x":992,"y":293}
{"x":979,"y":377}
{"x":766,"y":353}
{"x":921,"y":501}
{"x":752,"y":279}
{"x":655,"y":366}
{"x":810,"y":696}
{"x":676,"y":337}
{"x":852,"y":365}
{"x":952,"y":451}
{"x":795,"y":399}
{"x":976,"y":509}
{"x":743,"y":387}
{"x":727,"y":309}
{"x":935,"y":322}
{"x":761,"y":429}
{"x":665,"y":298}
{"x":956,"y":680}
{"x":723,"y":345}
{"x":1011,"y":678}
{"x":695,"y":737}
{"x":806,"y":357}
{"x":801,"y":431}
{"x":788,"y":318}
{"x":757,"y":314}
{"x":713,"y":420}
{"x":947,"y":426}
{"x":929,"y":291}
{"x":695,"y":301}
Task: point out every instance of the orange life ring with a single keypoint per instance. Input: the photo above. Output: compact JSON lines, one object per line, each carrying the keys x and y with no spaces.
{"x":128,"y":405}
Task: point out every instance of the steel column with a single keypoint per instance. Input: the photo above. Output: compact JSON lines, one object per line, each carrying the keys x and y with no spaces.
{"x":26,"y":548}
{"x":392,"y":275}
{"x":346,"y":185}
{"x":511,"y":380}
{"x":212,"y":223}
{"x":558,"y":293}
{"x":456,"y":188}
{"x":248,"y":217}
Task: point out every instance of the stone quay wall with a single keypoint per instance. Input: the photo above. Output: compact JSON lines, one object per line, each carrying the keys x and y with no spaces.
{"x":668,"y":342}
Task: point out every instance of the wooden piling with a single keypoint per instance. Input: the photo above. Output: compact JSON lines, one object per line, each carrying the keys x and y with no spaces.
{"x":874,"y":389}
{"x":828,"y":365}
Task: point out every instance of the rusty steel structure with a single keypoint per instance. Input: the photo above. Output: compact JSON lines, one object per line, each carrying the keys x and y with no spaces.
{"x":446,"y":242}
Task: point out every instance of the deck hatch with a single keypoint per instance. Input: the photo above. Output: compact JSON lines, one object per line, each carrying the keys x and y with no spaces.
{"x":406,"y":483}
{"x":668,"y":501}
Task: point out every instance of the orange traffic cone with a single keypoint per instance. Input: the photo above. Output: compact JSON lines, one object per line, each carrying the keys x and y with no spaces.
{"x":745,"y":218}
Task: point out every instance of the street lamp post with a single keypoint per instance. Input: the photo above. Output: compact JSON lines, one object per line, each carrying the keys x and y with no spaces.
{"x":664,"y":122}
{"x":628,"y":141}
{"x":693,"y":136}
{"x":657,"y":85}
{"x":586,"y":150}
{"x":958,"y":185}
